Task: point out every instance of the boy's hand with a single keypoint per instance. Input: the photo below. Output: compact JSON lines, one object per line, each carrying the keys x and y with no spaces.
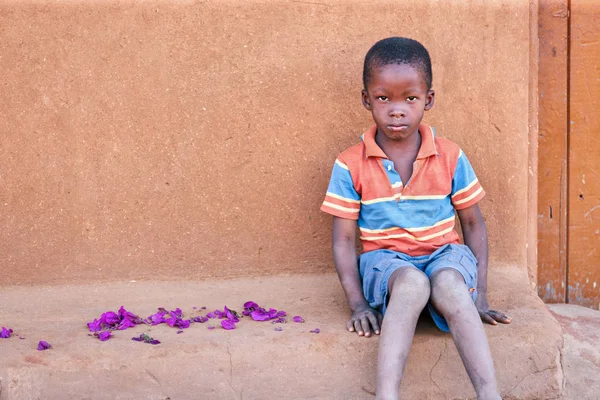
{"x":363,"y":319}
{"x":490,"y":316}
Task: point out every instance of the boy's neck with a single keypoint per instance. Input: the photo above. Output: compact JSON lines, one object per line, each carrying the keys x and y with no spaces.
{"x":409,"y":146}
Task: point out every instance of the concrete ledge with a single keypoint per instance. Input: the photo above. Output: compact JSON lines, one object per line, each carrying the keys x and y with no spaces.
{"x":254,"y":361}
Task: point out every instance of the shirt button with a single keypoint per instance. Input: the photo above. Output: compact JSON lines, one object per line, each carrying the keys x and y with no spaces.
{"x":389,"y":167}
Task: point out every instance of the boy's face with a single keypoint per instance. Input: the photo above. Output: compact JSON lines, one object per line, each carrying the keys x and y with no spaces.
{"x":397,"y":96}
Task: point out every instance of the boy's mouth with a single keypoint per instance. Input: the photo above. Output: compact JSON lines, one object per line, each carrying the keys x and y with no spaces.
{"x":397,"y":128}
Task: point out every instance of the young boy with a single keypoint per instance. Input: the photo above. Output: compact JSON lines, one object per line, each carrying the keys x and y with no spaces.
{"x":403,"y":184}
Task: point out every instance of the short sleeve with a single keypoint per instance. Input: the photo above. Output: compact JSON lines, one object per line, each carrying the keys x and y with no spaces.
{"x":466,"y":189}
{"x":341,"y":199}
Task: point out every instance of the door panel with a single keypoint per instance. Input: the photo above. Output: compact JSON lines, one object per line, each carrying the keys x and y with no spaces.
{"x":584,"y":155}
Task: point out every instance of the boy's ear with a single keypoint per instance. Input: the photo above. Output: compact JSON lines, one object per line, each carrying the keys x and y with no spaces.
{"x":429,"y":100}
{"x":365,"y":100}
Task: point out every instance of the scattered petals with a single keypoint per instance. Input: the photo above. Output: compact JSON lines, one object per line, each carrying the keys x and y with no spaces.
{"x":5,"y":333}
{"x":104,"y":336}
{"x":200,"y":319}
{"x":250,"y":304}
{"x":298,"y":319}
{"x":110,"y":320}
{"x":211,"y":315}
{"x":316,"y":330}
{"x":146,"y":339}
{"x":42,"y":345}
{"x":95,"y":325}
{"x":228,"y":324}
{"x":210,"y":327}
{"x":180,"y":331}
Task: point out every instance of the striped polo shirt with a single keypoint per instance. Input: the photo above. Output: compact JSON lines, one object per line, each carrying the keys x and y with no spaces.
{"x":414,"y":218}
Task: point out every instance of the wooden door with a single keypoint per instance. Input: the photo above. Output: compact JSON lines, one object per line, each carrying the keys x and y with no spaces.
{"x":569,"y":152}
{"x":583,"y":241}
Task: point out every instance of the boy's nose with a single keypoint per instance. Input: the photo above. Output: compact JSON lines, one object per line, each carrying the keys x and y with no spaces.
{"x":397,"y":113}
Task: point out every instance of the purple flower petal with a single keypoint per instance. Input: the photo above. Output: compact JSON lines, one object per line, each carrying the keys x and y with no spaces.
{"x":211,"y":315}
{"x":278,"y":329}
{"x":104,"y":336}
{"x":281,"y":313}
{"x":138,"y":339}
{"x":201,"y":319}
{"x":272,"y":313}
{"x":110,"y":318}
{"x":21,"y":337}
{"x":227,"y":324}
{"x":154,"y":341}
{"x":42,"y":345}
{"x":195,"y":308}
{"x":183,"y":323}
{"x":316,"y":330}
{"x":250,"y":304}
{"x":177,"y":313}
{"x":203,"y":308}
{"x":157,"y":318}
{"x":210,"y":327}
{"x":298,"y":319}
{"x":5,"y":333}
{"x":246,"y":313}
{"x":231,"y":315}
{"x":126,"y":323}
{"x":179,"y":331}
{"x":260,"y":315}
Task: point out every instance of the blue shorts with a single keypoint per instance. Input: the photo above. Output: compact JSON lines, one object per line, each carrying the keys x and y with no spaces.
{"x":376,"y":268}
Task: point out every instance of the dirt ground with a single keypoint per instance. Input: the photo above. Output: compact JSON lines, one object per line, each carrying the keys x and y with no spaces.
{"x":255,"y":361}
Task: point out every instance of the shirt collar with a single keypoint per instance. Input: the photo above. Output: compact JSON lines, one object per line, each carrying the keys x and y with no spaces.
{"x":427,"y":148}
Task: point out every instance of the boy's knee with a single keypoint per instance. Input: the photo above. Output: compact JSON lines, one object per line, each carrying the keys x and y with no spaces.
{"x":410,"y":280}
{"x":448,"y":287}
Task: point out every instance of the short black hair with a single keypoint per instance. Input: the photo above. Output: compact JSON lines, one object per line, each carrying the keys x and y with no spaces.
{"x":398,"y":51}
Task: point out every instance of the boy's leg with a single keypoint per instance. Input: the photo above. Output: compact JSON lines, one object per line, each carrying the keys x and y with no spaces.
{"x":450,"y":297}
{"x":408,"y":290}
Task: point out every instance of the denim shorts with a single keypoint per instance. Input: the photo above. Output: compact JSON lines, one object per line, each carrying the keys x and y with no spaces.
{"x":376,"y":268}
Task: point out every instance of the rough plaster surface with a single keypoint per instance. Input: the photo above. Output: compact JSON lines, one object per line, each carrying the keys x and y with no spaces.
{"x":189,"y":140}
{"x":581,"y":350}
{"x":254,"y":361}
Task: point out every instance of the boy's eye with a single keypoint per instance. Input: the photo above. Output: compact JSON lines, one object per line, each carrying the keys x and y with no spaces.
{"x":382,"y":98}
{"x":411,"y":98}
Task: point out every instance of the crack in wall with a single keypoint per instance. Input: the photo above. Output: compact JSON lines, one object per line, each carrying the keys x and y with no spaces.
{"x":435,"y":365}
{"x":558,"y":366}
{"x":241,"y":394}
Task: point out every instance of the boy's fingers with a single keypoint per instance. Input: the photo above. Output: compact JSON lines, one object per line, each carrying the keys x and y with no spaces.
{"x":365,"y":324}
{"x":374,"y":323}
{"x":357,"y":327}
{"x":350,"y":325}
{"x":500,"y":317}
{"x":487,"y":318}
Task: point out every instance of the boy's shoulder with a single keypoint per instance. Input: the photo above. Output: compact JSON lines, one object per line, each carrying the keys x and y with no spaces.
{"x":446,"y":147}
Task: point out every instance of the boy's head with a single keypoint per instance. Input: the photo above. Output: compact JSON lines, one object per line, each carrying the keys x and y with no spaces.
{"x":398,"y":51}
{"x":397,"y":78}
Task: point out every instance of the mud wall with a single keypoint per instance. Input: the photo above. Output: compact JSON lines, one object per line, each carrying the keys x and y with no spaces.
{"x":195,"y":139}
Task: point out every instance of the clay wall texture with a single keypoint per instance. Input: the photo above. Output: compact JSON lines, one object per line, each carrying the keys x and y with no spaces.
{"x":195,"y":139}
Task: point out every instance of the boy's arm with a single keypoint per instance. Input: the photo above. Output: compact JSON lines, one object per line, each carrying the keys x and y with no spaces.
{"x":344,"y":257}
{"x":475,"y":236}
